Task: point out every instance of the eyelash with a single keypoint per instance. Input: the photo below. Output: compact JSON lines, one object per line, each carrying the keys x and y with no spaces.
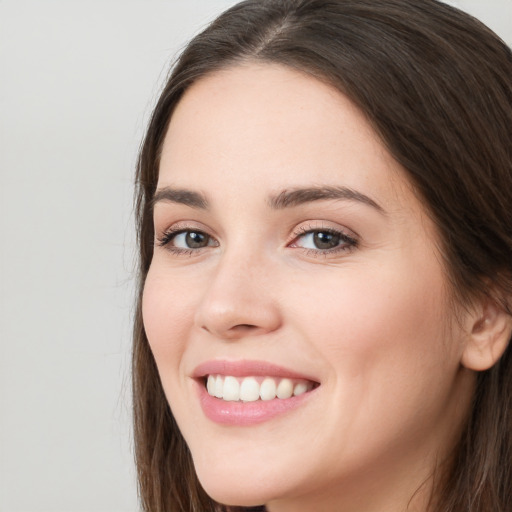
{"x":347,"y":243}
{"x":169,"y":235}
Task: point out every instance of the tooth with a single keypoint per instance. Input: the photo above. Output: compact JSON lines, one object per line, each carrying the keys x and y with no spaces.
{"x":268,"y":389}
{"x":300,"y":388}
{"x":219,"y":386}
{"x":249,"y":390}
{"x":285,"y":389}
{"x":210,"y":385}
{"x":231,"y":391}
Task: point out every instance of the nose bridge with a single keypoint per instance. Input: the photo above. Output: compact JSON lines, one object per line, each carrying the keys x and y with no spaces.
{"x":239,"y":300}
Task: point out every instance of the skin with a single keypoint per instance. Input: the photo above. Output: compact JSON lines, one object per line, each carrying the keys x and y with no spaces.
{"x":372,"y":323}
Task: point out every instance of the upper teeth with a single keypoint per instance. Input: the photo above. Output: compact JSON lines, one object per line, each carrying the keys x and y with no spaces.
{"x":250,"y":389}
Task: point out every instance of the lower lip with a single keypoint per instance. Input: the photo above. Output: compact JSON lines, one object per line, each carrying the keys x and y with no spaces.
{"x":247,"y":413}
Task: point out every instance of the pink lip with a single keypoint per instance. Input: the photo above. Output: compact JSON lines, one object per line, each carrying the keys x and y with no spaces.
{"x":246,"y":413}
{"x":247,"y":368}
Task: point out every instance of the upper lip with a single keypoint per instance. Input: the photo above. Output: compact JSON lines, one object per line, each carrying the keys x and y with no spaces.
{"x":247,"y":368}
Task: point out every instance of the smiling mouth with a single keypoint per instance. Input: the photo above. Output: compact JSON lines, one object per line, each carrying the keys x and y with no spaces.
{"x":252,"y":389}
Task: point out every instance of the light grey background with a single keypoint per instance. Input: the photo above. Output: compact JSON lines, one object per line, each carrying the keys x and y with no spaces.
{"x":77,"y":83}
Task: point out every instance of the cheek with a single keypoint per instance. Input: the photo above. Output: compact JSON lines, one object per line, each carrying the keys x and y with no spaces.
{"x":167,"y":314}
{"x":376,"y":307}
{"x":391,"y":359}
{"x":383,"y":331}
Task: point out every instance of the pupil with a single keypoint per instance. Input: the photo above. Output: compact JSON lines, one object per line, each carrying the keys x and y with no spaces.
{"x":325,"y":240}
{"x":196,"y":240}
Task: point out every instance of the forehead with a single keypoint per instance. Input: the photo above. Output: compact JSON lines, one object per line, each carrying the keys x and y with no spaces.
{"x":270,"y":126}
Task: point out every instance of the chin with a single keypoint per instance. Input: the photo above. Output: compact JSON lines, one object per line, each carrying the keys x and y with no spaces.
{"x":230,"y":493}
{"x":237,"y":488}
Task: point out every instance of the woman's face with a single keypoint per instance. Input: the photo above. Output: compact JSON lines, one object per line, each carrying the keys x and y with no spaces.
{"x":292,"y":257}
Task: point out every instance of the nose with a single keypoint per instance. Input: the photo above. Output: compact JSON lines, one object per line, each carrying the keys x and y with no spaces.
{"x":239,"y":300}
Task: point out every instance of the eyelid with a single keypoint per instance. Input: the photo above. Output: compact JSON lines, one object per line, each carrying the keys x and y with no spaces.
{"x":322,"y":225}
{"x":349,"y":239}
{"x":163,"y":237}
{"x":181,"y":225}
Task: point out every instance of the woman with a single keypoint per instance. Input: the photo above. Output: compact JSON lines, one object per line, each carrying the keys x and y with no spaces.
{"x":326,"y":248}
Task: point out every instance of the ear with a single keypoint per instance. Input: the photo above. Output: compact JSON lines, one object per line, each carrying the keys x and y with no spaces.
{"x":490,"y":328}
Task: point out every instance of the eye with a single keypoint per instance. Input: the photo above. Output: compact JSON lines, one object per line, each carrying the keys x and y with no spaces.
{"x":191,"y":240}
{"x":186,"y":240}
{"x":323,"y":240}
{"x":320,"y":240}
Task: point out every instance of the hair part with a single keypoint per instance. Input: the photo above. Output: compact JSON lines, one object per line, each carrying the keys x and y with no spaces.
{"x":436,"y":86}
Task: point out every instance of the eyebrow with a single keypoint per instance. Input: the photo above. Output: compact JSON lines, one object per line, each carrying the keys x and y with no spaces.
{"x":298,"y":196}
{"x":285,"y":199}
{"x":181,"y":196}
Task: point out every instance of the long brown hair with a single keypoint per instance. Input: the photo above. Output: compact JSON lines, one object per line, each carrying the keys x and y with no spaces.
{"x":436,"y":85}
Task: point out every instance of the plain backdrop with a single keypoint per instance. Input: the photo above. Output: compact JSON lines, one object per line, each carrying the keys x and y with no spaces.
{"x":77,"y":83}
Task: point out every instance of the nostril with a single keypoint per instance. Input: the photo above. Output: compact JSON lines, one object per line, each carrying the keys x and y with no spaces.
{"x":234,"y":331}
{"x":241,"y":331}
{"x":242,"y":328}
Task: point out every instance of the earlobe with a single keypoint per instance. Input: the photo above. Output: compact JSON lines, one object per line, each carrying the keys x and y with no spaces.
{"x":488,"y":337}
